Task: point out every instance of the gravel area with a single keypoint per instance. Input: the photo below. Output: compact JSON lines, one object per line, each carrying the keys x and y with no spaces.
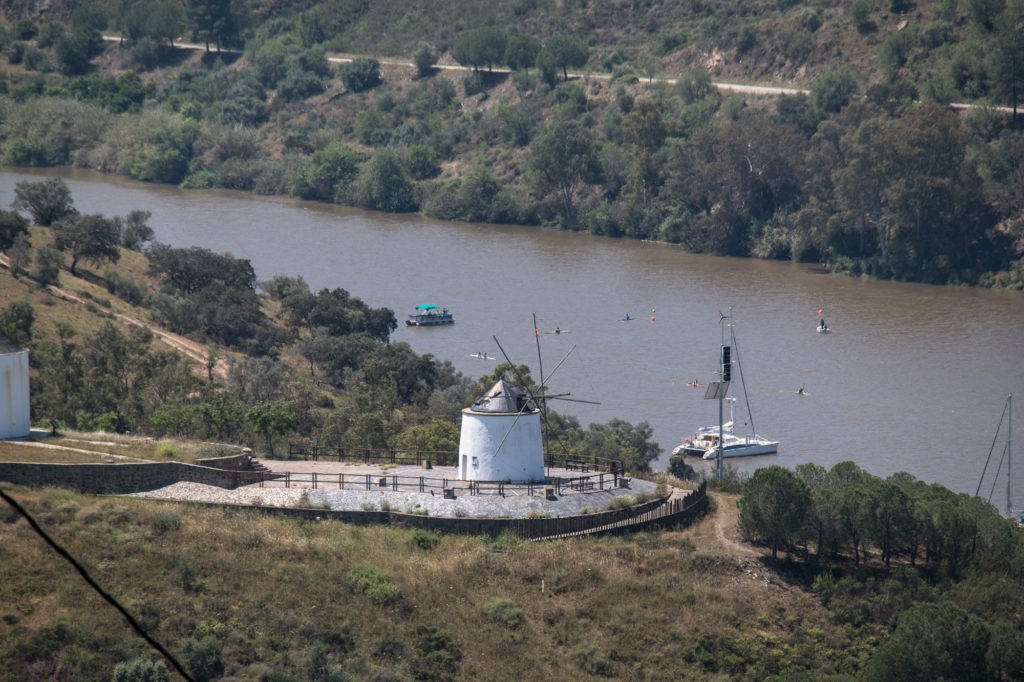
{"x":515,"y":504}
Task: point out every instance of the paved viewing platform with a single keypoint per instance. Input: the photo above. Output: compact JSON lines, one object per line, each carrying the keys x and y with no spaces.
{"x":513,"y":501}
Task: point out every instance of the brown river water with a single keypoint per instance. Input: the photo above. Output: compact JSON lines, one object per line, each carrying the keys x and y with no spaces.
{"x":912,"y":378}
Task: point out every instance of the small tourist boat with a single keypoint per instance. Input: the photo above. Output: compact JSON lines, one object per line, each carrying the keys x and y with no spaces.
{"x":429,"y":315}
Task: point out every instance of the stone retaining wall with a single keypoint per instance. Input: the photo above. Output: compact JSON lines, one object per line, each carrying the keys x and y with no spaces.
{"x":120,"y":478}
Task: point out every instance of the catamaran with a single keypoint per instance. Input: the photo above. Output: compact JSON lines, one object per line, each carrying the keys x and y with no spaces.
{"x":709,"y":441}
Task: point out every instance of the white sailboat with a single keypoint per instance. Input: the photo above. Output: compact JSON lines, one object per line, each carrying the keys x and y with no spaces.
{"x":710,"y":442}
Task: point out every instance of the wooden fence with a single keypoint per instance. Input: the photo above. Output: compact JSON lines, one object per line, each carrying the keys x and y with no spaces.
{"x":673,"y":511}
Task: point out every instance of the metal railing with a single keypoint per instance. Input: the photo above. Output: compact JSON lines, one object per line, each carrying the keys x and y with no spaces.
{"x":331,"y":453}
{"x":559,"y":485}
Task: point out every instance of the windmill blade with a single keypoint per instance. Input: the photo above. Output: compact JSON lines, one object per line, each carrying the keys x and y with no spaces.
{"x":545,"y":380}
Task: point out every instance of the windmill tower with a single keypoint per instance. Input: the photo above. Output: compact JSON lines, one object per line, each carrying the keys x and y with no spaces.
{"x":501,"y":437}
{"x":14,"y":390}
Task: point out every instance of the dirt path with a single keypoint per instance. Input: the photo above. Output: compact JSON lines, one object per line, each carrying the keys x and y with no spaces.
{"x":718,"y":533}
{"x":192,"y":349}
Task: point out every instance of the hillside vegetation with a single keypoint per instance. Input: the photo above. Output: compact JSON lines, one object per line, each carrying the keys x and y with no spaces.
{"x":240,"y":595}
{"x":871,"y":173}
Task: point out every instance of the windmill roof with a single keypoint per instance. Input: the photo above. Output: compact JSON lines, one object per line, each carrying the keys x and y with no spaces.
{"x":502,"y":397}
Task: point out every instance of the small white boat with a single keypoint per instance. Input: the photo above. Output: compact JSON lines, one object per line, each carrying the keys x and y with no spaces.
{"x":823,"y":327}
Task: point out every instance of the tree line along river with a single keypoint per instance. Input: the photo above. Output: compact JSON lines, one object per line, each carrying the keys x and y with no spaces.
{"x":912,"y":378}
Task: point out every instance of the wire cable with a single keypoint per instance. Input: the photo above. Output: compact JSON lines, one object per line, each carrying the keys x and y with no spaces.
{"x":94,"y":585}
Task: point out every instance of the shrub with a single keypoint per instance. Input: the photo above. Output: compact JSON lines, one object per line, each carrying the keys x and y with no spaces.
{"x":586,"y":658}
{"x":164,"y":450}
{"x":425,"y":539}
{"x":360,"y":74}
{"x":141,"y":669}
{"x":203,"y":658}
{"x":505,"y":612}
{"x":473,"y":83}
{"x":123,"y":287}
{"x":424,"y":58}
{"x":165,"y":520}
{"x":438,"y":654}
{"x":46,"y":269}
{"x":377,"y":586}
{"x":621,"y":502}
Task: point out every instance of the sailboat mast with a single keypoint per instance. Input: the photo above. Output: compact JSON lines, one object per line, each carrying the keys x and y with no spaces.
{"x":1009,"y":454}
{"x":543,"y":403}
{"x":723,"y":376}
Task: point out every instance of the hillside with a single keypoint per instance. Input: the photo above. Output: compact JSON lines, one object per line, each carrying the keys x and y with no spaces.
{"x":324,"y":601}
{"x":872,"y":173}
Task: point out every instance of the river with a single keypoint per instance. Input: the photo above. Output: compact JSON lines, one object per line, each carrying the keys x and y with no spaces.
{"x":912,"y":378}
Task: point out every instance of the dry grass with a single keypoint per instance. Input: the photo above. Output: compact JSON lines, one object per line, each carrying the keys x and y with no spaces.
{"x":73,"y":447}
{"x":652,"y":605}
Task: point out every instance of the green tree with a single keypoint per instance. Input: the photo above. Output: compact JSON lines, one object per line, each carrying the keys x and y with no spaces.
{"x":850,"y":490}
{"x":933,"y":642}
{"x":632,"y":445}
{"x":92,"y":238}
{"x":774,"y":505}
{"x":16,"y":322}
{"x":424,"y":58}
{"x":216,"y":21}
{"x":893,"y":518}
{"x":74,"y":50}
{"x":46,"y":200}
{"x":563,"y":156}
{"x":480,"y":47}
{"x":833,"y":90}
{"x":521,"y":52}
{"x":1007,"y":61}
{"x":46,"y":268}
{"x":439,"y":435}
{"x":384,"y":186}
{"x":270,"y":419}
{"x":12,"y":225}
{"x":135,"y":230}
{"x":1005,"y":656}
{"x":560,"y":52}
{"x":330,"y":173}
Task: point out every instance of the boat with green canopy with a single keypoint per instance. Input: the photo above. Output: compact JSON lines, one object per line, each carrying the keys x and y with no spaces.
{"x":429,"y":315}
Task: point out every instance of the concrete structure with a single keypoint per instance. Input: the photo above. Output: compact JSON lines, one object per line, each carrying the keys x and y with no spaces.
{"x":14,"y":395}
{"x":501,"y":438}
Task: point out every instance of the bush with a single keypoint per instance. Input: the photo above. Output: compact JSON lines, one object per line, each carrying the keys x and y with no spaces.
{"x":473,"y":83}
{"x":360,"y":74}
{"x":141,"y":669}
{"x":424,"y":58}
{"x":46,"y":269}
{"x":376,"y":585}
{"x":504,"y":611}
{"x":123,"y":287}
{"x":425,"y":539}
{"x":164,"y":450}
{"x":203,"y":658}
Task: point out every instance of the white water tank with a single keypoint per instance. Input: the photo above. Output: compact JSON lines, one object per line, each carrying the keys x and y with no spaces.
{"x":14,"y":396}
{"x":501,"y":438}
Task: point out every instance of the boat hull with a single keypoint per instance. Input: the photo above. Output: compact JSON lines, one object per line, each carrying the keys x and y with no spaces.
{"x":750,"y":449}
{"x":436,"y":321}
